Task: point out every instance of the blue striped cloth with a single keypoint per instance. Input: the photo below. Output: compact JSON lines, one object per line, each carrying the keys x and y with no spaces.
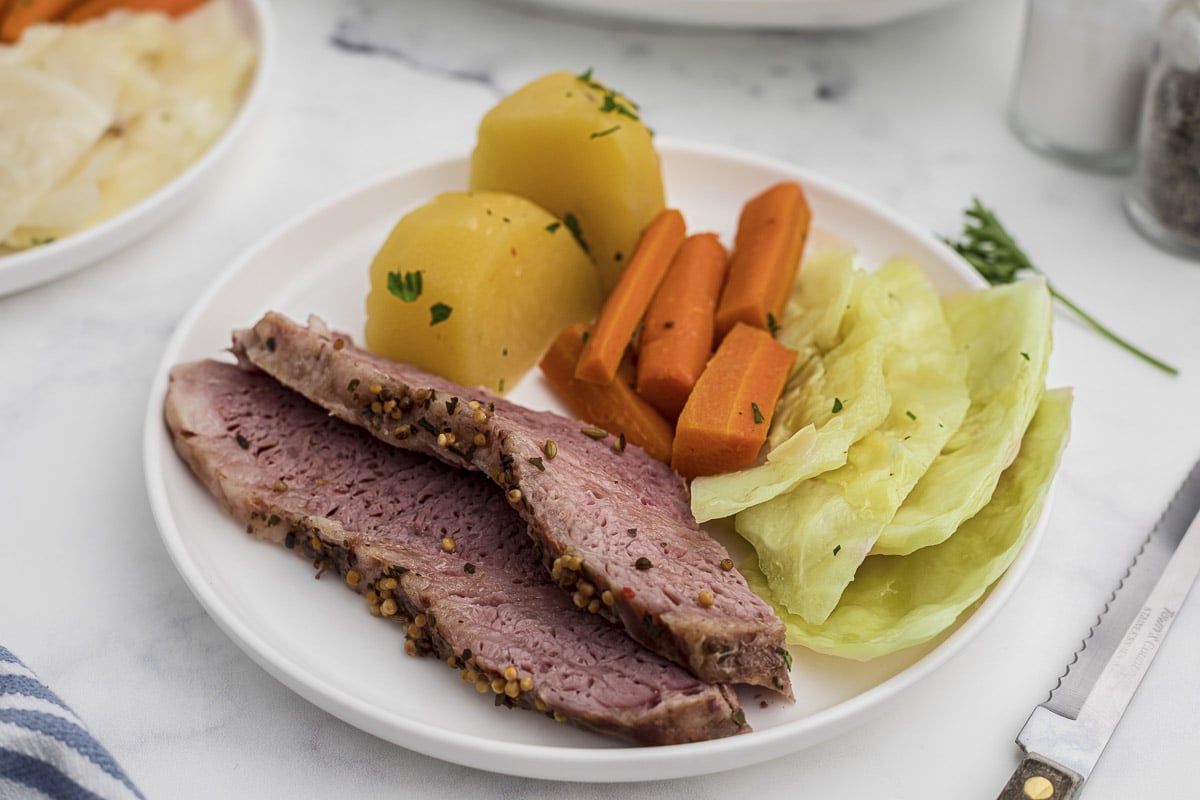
{"x":45,"y":750}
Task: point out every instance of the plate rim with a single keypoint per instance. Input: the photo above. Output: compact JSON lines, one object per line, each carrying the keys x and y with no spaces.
{"x":812,"y":15}
{"x":566,"y":763}
{"x":35,"y":266}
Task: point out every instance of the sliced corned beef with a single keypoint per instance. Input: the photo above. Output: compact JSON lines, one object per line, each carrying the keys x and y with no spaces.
{"x":434,"y":548}
{"x":612,"y":524}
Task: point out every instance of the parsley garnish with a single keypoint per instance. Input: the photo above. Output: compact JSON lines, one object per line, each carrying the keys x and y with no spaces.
{"x":1024,"y":355}
{"x":772,"y":325}
{"x":910,"y":415}
{"x":407,"y":286}
{"x":572,"y":223}
{"x":787,"y":657}
{"x":624,"y":106}
{"x":611,"y":104}
{"x":758,"y":417}
{"x":837,"y":405}
{"x":553,"y":226}
{"x":605,"y":132}
{"x":991,"y":250}
{"x":837,"y":549}
{"x":439,"y":312}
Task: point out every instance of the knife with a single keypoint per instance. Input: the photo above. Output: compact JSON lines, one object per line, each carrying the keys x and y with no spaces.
{"x":1065,"y":735}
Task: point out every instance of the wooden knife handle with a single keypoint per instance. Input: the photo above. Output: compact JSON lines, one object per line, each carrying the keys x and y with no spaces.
{"x":1039,"y":779}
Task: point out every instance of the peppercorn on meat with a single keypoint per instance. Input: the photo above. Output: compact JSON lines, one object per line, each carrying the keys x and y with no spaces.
{"x":434,"y":549}
{"x":612,"y":524}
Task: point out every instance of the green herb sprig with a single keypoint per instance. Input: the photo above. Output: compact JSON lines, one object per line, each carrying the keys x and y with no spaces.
{"x":992,"y":251}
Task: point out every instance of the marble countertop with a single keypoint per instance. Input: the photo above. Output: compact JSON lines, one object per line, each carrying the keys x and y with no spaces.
{"x":910,"y":114}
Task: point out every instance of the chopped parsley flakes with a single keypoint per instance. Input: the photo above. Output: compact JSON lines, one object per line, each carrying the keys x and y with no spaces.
{"x":407,"y":286}
{"x":572,"y":223}
{"x":439,"y":312}
{"x":605,"y":132}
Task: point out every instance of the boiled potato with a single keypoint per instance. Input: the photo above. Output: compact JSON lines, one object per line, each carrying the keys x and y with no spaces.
{"x":581,"y":151}
{"x":474,"y":286}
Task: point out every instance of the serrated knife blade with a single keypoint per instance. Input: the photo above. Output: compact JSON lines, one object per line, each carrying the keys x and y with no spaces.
{"x":1065,"y":735}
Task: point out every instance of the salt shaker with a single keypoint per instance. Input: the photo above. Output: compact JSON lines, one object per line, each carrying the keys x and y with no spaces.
{"x":1163,"y":196}
{"x":1080,"y":78}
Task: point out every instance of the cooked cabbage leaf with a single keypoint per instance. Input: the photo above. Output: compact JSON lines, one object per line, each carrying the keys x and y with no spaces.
{"x":1006,"y":334}
{"x":901,"y":601}
{"x":840,"y":325}
{"x":839,"y":322}
{"x":46,"y":125}
{"x":811,"y":539}
{"x":820,"y":300}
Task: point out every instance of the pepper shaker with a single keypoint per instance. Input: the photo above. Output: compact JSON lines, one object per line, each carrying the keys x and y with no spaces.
{"x":1080,"y":79}
{"x":1163,"y":196}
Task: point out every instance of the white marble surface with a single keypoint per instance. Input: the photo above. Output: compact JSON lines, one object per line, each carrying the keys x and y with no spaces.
{"x":910,"y":114}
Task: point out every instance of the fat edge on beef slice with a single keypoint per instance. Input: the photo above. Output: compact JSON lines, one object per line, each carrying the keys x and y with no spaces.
{"x":612,"y":524}
{"x":433,"y":548}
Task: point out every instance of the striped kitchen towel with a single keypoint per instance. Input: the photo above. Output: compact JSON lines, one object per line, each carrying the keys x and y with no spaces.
{"x":45,"y":750}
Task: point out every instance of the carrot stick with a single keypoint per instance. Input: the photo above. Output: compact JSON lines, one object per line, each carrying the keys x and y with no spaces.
{"x":678,"y":335}
{"x":615,"y":407}
{"x":725,"y":421}
{"x":90,"y":9}
{"x":624,"y":308}
{"x":766,"y":254}
{"x":23,"y":13}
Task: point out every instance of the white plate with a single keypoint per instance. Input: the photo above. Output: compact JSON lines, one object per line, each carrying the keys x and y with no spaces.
{"x":797,"y":14}
{"x":37,"y":265}
{"x":317,"y":638}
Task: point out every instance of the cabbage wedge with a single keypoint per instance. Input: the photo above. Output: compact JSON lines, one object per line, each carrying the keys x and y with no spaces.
{"x":900,"y":601}
{"x":811,"y":539}
{"x":46,"y":125}
{"x":1006,"y":333}
{"x":839,"y":321}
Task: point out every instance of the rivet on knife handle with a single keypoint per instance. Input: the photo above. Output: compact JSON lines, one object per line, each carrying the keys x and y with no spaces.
{"x":1038,"y":779}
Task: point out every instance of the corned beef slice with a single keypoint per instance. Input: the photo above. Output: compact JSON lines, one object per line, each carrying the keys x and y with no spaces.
{"x":377,"y":517}
{"x":613,"y":527}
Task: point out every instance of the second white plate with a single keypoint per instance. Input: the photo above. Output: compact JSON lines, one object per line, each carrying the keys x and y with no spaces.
{"x":315,"y":636}
{"x":38,"y":265}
